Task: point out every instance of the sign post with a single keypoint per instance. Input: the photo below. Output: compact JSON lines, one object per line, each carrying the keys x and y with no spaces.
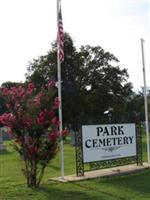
{"x":145,"y":102}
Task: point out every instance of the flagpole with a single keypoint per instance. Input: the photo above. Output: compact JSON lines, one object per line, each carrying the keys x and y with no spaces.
{"x":60,"y":99}
{"x":145,"y":102}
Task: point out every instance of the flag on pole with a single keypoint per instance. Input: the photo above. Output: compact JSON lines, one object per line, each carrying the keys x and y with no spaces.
{"x":60,"y":58}
{"x":60,"y":36}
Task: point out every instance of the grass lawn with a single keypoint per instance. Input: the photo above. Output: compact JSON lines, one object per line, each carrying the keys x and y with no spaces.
{"x":13,"y":185}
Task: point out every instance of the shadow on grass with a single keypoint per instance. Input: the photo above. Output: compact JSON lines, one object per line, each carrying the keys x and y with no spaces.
{"x":136,"y":182}
{"x":73,"y":191}
{"x":53,"y":193}
{"x":65,"y":191}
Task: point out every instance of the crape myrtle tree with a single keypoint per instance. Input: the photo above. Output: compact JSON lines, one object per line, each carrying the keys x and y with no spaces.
{"x":31,"y":120}
{"x":92,"y":82}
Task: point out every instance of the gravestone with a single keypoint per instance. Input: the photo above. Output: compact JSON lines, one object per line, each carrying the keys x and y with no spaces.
{"x":2,"y":146}
{"x":73,"y":137}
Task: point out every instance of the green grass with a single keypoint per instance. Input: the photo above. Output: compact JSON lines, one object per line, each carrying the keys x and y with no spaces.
{"x":13,"y":185}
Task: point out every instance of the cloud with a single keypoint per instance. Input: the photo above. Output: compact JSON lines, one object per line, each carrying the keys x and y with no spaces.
{"x":28,"y":28}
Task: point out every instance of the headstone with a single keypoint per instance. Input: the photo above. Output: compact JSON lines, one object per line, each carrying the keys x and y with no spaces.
{"x":2,"y":146}
{"x":73,"y":137}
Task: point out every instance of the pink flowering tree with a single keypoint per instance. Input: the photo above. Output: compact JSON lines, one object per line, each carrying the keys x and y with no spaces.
{"x":32,"y":121}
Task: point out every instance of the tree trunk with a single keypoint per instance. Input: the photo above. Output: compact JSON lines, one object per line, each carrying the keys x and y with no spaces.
{"x":32,"y":174}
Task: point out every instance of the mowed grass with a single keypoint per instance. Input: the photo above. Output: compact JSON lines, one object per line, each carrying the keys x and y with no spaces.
{"x":13,"y":184}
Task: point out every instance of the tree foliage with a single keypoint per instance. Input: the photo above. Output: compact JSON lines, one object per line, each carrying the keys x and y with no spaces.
{"x":92,"y":82}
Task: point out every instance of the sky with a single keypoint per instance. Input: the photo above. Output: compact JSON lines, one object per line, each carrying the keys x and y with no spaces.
{"x":28,"y":27}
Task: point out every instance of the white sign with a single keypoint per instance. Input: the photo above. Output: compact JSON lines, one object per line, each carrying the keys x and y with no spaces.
{"x":110,"y":141}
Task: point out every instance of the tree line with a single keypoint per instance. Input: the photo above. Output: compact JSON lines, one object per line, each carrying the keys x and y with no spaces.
{"x":92,"y":83}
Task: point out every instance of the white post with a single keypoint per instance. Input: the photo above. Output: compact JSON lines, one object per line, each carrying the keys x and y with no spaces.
{"x":60,"y":99}
{"x":145,"y":101}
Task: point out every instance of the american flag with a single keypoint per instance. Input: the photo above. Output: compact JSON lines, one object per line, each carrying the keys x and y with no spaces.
{"x":60,"y":37}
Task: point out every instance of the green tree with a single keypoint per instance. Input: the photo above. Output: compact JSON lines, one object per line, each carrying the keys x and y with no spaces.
{"x":91,"y":82}
{"x":10,"y":84}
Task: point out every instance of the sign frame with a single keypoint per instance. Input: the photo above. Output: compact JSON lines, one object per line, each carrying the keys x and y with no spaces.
{"x":82,"y":166}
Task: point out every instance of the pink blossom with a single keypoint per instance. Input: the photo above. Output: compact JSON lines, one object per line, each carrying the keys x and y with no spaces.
{"x":53,"y":135}
{"x":56,"y":103}
{"x":5,"y":91}
{"x":13,"y":91}
{"x":55,"y":121}
{"x":42,"y":114}
{"x":26,"y":106}
{"x":64,"y":133}
{"x":51,"y":114}
{"x":51,"y":84}
{"x":5,"y":118}
{"x":30,"y":88}
{"x":40,"y":120}
{"x":21,"y":92}
{"x":37,"y":99}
